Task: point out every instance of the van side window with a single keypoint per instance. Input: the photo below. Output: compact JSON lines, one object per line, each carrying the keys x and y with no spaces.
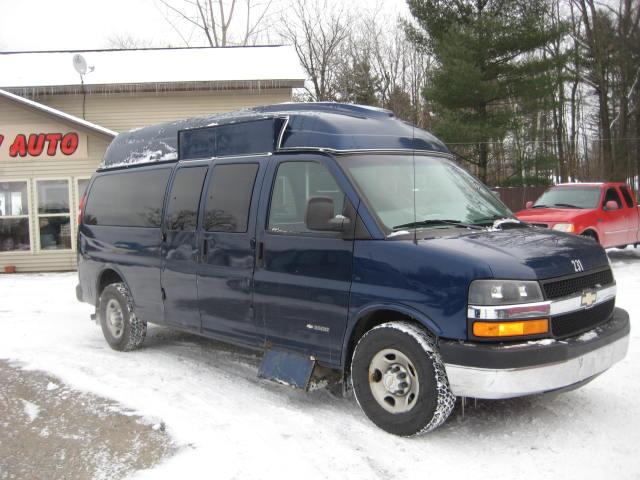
{"x":128,"y":199}
{"x":182,"y":213}
{"x":294,"y":185}
{"x":627,"y":196}
{"x":612,"y":194}
{"x":229,"y":197}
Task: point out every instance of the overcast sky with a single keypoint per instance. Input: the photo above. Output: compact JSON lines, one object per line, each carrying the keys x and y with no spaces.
{"x":88,"y":24}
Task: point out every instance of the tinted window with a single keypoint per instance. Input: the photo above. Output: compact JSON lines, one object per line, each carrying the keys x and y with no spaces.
{"x":182,"y":213}
{"x":229,"y":197}
{"x":612,"y":194}
{"x":295,"y":184}
{"x":242,"y":138}
{"x":127,"y":199}
{"x":627,"y":196}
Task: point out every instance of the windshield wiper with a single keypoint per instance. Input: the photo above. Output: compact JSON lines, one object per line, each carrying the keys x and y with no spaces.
{"x":539,"y":206}
{"x":491,"y":219}
{"x":439,"y":221}
{"x":565,"y":205}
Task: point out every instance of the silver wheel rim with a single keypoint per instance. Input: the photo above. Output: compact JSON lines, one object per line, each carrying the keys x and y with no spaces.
{"x":393,"y":380}
{"x":115,"y":318}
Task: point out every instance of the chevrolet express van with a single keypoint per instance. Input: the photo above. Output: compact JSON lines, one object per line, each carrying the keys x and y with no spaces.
{"x":350,"y":248}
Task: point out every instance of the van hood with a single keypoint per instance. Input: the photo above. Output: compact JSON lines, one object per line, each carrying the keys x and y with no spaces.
{"x":550,"y":215}
{"x":522,"y":253}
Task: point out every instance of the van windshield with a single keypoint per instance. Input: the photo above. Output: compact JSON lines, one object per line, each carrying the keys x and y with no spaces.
{"x":445,"y":194}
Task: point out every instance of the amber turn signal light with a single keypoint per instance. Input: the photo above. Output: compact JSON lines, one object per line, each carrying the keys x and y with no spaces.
{"x":511,"y":329}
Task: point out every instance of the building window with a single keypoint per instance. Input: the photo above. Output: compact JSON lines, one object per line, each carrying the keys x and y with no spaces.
{"x":54,"y":219}
{"x":14,"y":217}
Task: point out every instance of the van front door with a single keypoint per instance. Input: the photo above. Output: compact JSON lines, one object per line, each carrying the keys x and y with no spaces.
{"x":180,"y":253}
{"x":303,"y":278}
{"x":228,"y":250}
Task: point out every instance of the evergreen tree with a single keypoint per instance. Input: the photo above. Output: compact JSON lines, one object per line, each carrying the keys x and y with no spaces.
{"x":489,"y":56}
{"x":357,"y":83}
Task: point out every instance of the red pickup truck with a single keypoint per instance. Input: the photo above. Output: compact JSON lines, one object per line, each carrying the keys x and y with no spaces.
{"x":607,"y":212}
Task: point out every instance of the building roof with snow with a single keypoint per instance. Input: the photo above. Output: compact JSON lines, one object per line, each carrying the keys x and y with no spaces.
{"x":152,"y":69}
{"x":57,"y":114}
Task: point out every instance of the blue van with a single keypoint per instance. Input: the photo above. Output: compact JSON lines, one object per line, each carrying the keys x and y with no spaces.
{"x":350,"y":248}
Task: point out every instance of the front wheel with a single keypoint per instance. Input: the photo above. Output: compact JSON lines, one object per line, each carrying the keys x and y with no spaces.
{"x":399,"y":379}
{"x":122,"y":329}
{"x":591,"y":234}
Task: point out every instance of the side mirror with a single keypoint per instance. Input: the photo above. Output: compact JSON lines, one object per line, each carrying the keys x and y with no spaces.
{"x":320,"y":216}
{"x":611,"y":205}
{"x":529,"y":204}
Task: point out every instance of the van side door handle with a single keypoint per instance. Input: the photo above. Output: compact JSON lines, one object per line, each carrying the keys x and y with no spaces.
{"x":205,"y":247}
{"x":260,"y":255}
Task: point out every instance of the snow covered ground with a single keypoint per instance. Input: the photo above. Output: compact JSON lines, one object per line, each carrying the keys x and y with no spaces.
{"x":229,"y":424}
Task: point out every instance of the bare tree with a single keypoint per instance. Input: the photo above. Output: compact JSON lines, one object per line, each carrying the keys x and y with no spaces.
{"x":220,"y":22}
{"x":400,"y":67}
{"x":318,"y":31}
{"x":126,"y":41}
{"x":610,"y":39}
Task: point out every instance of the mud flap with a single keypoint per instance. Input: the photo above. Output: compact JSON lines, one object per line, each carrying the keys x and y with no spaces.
{"x":287,"y":368}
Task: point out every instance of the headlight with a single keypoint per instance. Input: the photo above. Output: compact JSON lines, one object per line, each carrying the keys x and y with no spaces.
{"x":564,"y":227}
{"x":504,"y":292}
{"x":501,"y":309}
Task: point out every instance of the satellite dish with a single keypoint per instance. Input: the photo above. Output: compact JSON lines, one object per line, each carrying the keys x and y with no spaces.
{"x":80,"y":64}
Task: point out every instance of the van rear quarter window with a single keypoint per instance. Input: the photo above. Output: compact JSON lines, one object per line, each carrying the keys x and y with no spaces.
{"x":127,"y":199}
{"x":229,"y":197}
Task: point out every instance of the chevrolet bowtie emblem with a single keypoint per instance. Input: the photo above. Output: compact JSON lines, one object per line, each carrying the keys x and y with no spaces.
{"x":588,"y":298}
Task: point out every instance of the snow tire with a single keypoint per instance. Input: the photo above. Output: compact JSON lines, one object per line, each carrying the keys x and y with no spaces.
{"x":133,"y":330}
{"x":434,"y":402}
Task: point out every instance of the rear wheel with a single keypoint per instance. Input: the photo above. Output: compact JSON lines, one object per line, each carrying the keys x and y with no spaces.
{"x":399,"y":379}
{"x":122,"y":329}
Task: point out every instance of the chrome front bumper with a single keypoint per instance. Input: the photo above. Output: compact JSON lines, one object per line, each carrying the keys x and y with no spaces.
{"x":535,"y":367}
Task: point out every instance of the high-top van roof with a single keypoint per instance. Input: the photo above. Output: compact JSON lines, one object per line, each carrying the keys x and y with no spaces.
{"x":273,"y":128}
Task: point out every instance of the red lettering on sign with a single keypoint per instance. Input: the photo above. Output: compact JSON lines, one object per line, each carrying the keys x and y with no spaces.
{"x":69,"y":143}
{"x":19,"y":146}
{"x":35,"y":145}
{"x":53,"y":139}
{"x":39,"y":144}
